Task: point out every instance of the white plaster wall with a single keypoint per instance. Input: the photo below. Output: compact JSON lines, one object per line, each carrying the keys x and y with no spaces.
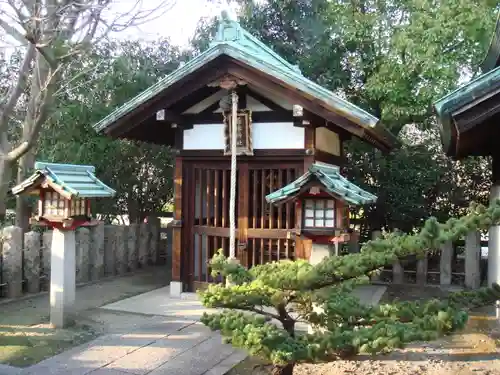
{"x":204,"y":137}
{"x":275,"y":135}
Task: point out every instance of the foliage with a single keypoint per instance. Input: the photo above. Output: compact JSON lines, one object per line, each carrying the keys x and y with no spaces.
{"x":114,"y":73}
{"x":289,"y":292}
{"x":48,"y":37}
{"x":392,"y":58}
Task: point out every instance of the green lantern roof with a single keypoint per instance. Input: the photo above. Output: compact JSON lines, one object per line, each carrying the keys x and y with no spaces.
{"x":234,"y":41}
{"x":333,"y":183}
{"x":69,"y":180}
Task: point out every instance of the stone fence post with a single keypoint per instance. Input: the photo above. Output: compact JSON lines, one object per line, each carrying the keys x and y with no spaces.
{"x":377,"y":275}
{"x":422,"y":265}
{"x":154,"y":227}
{"x":144,"y":243}
{"x":32,"y":263}
{"x":445,"y":263}
{"x":132,"y":232}
{"x":82,"y":249}
{"x":12,"y":266}
{"x":109,"y":250}
{"x":96,"y":258}
{"x":472,"y":260}
{"x":46,"y":246}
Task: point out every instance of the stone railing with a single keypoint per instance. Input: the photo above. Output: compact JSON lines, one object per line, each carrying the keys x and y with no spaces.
{"x":101,"y":251}
{"x":460,"y":265}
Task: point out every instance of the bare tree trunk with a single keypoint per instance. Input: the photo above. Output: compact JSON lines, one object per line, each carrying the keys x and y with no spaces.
{"x":5,"y":176}
{"x":23,"y":208}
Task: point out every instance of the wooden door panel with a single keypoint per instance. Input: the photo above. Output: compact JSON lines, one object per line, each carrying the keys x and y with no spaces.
{"x":265,"y":233}
{"x":271,"y":229}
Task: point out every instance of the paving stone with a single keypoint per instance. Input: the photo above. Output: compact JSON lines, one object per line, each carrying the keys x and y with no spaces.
{"x":148,"y":358}
{"x":108,"y":371}
{"x":9,"y":370}
{"x":227,"y":364}
{"x":198,"y":360}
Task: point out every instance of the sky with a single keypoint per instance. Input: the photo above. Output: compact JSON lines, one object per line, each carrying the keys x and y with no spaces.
{"x":178,"y":23}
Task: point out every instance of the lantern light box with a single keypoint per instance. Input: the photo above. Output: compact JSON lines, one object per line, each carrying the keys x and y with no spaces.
{"x":64,"y":192}
{"x":322,"y":197}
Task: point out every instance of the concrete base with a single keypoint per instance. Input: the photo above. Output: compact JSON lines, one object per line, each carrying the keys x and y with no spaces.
{"x":494,"y":244}
{"x":175,"y":289}
{"x":319,"y":252}
{"x":62,"y":278}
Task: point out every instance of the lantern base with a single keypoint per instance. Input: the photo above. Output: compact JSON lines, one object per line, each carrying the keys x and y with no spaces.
{"x":62,"y":278}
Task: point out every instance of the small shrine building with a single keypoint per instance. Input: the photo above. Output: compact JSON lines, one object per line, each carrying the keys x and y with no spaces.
{"x":469,"y":118}
{"x":288,"y":126}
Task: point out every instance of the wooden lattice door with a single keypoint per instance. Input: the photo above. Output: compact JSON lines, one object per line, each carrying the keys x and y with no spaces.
{"x":270,"y":234}
{"x":207,"y":227}
{"x":264,"y":232}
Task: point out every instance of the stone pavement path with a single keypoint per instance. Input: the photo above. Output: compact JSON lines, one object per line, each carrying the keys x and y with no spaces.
{"x":149,"y":336}
{"x":160,"y":346}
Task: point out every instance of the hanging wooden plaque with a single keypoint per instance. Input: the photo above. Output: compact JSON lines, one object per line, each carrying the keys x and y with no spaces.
{"x":243,"y":130}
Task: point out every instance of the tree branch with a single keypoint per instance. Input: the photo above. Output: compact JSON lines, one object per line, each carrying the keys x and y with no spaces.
{"x":16,"y":91}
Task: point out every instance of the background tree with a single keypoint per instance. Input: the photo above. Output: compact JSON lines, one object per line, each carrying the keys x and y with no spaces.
{"x":288,"y":292}
{"x":50,"y":35}
{"x":392,"y":58}
{"x":114,"y":72}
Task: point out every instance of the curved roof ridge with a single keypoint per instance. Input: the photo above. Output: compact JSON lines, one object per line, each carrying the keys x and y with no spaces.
{"x":231,"y":31}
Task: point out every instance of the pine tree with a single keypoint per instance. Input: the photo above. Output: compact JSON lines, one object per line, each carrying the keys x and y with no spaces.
{"x":264,"y":304}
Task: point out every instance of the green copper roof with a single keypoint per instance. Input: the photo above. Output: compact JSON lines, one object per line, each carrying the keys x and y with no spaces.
{"x":477,"y":88}
{"x":75,"y":180}
{"x":331,"y":179}
{"x":233,"y":41}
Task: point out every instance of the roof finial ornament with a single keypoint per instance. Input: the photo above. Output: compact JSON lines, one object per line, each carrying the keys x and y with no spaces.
{"x":229,"y":30}
{"x":224,"y":15}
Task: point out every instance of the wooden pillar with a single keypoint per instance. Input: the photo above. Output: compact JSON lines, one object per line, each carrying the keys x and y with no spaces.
{"x":445,"y":263}
{"x":309,"y":146}
{"x":176,"y":286}
{"x":472,"y":260}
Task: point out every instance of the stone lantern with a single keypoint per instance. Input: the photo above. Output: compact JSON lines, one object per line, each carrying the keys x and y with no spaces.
{"x":64,"y":192}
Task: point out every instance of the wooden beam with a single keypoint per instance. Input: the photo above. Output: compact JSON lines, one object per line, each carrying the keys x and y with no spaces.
{"x":296,"y":153}
{"x":171,"y":95}
{"x":326,"y":157}
{"x":216,"y":118}
{"x":273,"y":85}
{"x":309,"y":146}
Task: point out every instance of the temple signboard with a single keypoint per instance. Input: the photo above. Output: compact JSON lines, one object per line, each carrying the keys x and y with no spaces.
{"x":243,"y":130}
